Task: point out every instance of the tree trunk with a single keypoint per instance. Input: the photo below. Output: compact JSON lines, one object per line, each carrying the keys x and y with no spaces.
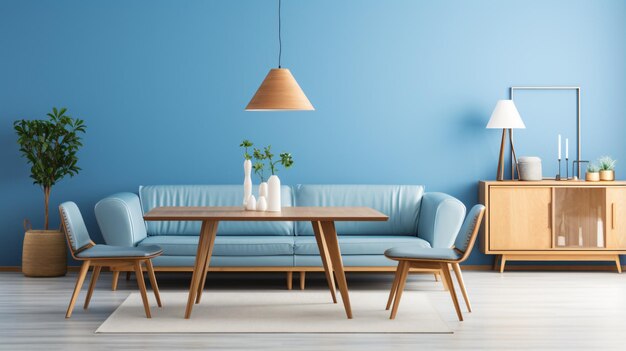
{"x":46,"y":194}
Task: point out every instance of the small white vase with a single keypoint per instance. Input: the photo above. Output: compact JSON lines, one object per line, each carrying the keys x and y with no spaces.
{"x":273,"y":194}
{"x":262,"y":189}
{"x":247,"y":181}
{"x":251,"y":203}
{"x":261,"y":204}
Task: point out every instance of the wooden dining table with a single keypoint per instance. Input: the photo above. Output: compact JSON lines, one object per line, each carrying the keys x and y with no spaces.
{"x":322,"y":219}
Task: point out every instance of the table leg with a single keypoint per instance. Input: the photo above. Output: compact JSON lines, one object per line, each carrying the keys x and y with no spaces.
{"x":330,"y":235}
{"x":205,"y":271}
{"x":328,"y":268}
{"x":208,"y":229}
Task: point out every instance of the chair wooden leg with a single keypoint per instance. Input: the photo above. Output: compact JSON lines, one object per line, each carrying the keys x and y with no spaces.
{"x":128,"y":276}
{"x":436,"y":277}
{"x":394,"y":286}
{"x":400,"y":289}
{"x":302,"y":280}
{"x":459,"y":278}
{"x":116,"y":277}
{"x":446,"y":275}
{"x":92,"y":284}
{"x":153,"y":282}
{"x":79,"y":284}
{"x":289,"y":280}
{"x":142,"y":288}
{"x":444,"y":283}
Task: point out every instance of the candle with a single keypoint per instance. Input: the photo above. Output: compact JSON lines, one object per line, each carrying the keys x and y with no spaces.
{"x":566,"y":148}
{"x":559,"y":147}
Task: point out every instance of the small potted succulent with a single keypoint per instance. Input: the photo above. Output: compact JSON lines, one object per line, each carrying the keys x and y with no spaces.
{"x":607,"y":168}
{"x":593,"y":173}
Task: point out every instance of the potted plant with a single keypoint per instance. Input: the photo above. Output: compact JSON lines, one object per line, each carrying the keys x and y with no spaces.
{"x":50,"y":147}
{"x":593,"y":173}
{"x":607,"y":168}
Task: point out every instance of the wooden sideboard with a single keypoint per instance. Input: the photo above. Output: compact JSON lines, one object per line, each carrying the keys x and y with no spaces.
{"x":553,"y":220}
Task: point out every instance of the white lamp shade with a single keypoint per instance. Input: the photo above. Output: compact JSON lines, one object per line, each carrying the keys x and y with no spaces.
{"x":505,"y":116}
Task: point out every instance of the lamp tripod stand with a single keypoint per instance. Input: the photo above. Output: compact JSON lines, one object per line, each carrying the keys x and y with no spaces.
{"x":500,"y":173}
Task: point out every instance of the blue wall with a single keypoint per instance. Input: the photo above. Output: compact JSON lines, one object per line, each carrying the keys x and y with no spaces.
{"x":403,"y":89}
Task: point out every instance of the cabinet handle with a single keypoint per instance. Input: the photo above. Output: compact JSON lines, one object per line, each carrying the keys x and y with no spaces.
{"x":550,"y":215}
{"x":612,"y":215}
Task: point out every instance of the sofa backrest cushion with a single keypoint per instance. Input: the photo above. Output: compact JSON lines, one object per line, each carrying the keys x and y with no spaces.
{"x":208,"y":195}
{"x":400,"y":202}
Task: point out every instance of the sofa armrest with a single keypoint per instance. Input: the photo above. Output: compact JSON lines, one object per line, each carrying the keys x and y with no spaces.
{"x":120,"y":219}
{"x":440,"y":219}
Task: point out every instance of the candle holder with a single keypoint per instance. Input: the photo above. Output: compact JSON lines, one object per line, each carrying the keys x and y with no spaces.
{"x":574,"y":163}
{"x":566,"y":168}
{"x":558,"y":174}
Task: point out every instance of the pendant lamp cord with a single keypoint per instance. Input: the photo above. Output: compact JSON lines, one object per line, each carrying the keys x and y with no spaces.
{"x":280,"y":42}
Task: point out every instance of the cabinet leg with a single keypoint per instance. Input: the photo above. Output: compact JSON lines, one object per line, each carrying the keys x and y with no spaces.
{"x":502,"y":263}
{"x":496,"y":261}
{"x":618,"y":264}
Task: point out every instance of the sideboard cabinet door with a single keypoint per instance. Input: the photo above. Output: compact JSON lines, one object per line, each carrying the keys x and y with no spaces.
{"x":616,"y":218}
{"x":520,"y":218}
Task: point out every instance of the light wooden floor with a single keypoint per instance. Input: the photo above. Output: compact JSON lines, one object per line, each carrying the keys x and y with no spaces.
{"x":515,"y":310}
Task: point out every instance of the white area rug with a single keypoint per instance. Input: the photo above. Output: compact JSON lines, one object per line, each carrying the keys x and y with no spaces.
{"x":276,"y":312}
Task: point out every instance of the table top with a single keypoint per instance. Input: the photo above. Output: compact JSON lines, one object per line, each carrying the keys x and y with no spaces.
{"x":287,"y":214}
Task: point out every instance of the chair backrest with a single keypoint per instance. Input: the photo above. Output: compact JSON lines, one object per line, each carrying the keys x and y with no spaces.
{"x":469,"y":231}
{"x":75,"y":229}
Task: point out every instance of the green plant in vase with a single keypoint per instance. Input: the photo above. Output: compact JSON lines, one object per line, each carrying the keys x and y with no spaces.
{"x":259,"y":170}
{"x":286,"y":160}
{"x":50,"y":146}
{"x":607,"y":168}
{"x":247,"y":169}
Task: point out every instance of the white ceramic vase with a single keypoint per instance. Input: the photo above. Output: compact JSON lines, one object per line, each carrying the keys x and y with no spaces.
{"x":263,"y":189}
{"x":261,"y":204}
{"x":251,"y":203}
{"x":273,"y":194}
{"x":247,"y":181}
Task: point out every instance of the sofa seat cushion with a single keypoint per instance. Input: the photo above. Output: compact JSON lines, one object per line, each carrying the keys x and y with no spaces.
{"x":106,"y":251}
{"x":359,"y":244}
{"x":417,"y":252}
{"x":229,"y":245}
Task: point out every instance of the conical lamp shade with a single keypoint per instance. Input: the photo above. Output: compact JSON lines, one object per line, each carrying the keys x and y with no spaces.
{"x":279,"y":91}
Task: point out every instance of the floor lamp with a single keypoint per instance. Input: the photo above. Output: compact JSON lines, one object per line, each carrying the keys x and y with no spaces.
{"x":505,"y":117}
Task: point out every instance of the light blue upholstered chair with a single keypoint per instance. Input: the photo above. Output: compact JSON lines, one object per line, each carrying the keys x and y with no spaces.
{"x":437,"y":259}
{"x":85,"y":250}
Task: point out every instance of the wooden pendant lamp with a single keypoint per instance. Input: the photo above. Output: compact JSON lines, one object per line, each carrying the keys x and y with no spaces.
{"x":279,"y":91}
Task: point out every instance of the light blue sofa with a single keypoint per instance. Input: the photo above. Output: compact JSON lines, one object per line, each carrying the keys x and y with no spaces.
{"x":415,"y":218}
